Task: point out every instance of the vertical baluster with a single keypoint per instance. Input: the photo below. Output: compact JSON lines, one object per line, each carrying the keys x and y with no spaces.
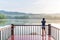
{"x":16,"y":31}
{"x":31,"y":32}
{"x":4,"y":34}
{"x":10,"y":32}
{"x":55,"y":33}
{"x":40,"y":30}
{"x":0,"y":35}
{"x":7,"y":33}
{"x":58,"y":34}
{"x":19,"y":31}
{"x":22,"y":32}
{"x":36,"y":32}
{"x":52,"y":33}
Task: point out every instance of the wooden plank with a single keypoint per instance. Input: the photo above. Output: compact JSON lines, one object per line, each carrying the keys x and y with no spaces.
{"x":30,"y":37}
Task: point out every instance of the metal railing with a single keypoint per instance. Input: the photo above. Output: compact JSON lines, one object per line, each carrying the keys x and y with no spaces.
{"x":31,"y":30}
{"x":55,"y":33}
{"x":27,"y":30}
{"x":9,"y":31}
{"x":5,"y":33}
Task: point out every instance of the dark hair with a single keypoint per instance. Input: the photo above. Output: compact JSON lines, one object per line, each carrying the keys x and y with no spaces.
{"x":43,"y":18}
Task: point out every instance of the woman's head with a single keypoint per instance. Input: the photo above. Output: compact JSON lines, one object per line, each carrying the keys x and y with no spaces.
{"x":43,"y":18}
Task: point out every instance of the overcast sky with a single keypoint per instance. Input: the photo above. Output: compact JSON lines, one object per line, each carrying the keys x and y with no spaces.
{"x":31,"y":6}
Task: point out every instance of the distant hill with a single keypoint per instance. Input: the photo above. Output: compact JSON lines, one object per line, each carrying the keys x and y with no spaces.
{"x":21,"y":15}
{"x":11,"y":13}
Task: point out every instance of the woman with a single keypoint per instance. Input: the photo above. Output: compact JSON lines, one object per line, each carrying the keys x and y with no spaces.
{"x":43,"y":26}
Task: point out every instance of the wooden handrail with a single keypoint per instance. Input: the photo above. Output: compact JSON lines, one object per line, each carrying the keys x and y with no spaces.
{"x":29,"y":25}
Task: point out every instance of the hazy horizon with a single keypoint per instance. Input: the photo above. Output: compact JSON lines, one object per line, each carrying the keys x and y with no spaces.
{"x":30,"y":13}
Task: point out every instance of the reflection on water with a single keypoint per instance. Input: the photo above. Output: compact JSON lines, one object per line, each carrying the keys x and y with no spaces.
{"x":24,"y":21}
{"x":19,"y":21}
{"x":2,"y":22}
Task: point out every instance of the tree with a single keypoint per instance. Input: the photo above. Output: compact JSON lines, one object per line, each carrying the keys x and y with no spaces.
{"x":2,"y":16}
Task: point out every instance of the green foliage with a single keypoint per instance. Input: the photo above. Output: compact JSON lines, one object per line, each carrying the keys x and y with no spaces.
{"x":21,"y":17}
{"x":2,"y":16}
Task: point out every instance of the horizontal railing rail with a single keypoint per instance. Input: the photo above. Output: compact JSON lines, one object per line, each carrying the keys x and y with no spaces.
{"x":29,"y":25}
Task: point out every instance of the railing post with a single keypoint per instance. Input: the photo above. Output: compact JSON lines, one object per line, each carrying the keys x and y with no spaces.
{"x":12,"y":29}
{"x":49,"y":31}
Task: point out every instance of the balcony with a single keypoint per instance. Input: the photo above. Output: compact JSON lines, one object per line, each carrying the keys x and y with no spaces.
{"x":29,"y":32}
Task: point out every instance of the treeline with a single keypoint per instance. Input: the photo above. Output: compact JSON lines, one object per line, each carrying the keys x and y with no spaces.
{"x":3,"y":16}
{"x":21,"y":17}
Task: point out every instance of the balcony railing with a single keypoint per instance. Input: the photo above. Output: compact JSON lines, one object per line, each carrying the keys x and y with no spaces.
{"x":55,"y":33}
{"x":7,"y":32}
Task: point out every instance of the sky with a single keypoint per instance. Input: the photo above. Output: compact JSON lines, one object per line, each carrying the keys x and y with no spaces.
{"x":31,"y":6}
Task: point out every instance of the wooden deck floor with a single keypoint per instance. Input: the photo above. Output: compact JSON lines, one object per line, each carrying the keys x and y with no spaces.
{"x":30,"y":37}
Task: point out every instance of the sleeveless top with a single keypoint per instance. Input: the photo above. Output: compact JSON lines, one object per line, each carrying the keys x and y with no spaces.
{"x":43,"y":23}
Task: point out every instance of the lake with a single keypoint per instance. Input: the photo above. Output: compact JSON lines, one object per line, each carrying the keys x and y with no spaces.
{"x":4,"y":22}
